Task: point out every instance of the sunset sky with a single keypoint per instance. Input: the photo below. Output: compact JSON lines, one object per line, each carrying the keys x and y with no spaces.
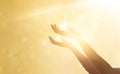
{"x":25,"y":27}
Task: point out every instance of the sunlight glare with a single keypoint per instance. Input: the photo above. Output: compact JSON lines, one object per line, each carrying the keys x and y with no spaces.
{"x":58,"y":39}
{"x":76,"y":44}
{"x":63,"y":26}
{"x":105,"y":4}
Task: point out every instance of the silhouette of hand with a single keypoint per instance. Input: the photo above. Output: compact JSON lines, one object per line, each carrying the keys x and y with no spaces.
{"x":62,"y":42}
{"x":101,"y":66}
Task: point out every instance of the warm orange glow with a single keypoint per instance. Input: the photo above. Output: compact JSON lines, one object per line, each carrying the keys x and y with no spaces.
{"x":25,"y":27}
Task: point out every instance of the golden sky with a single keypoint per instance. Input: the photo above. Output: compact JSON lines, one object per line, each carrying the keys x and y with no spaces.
{"x":25,"y":27}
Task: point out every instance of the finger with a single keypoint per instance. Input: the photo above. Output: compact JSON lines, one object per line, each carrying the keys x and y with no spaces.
{"x":52,"y":40}
{"x":53,"y":27}
{"x":56,"y":28}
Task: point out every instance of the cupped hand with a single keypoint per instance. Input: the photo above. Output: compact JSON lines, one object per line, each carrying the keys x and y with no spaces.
{"x":68,"y":32}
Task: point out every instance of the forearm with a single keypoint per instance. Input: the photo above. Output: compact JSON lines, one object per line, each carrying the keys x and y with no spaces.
{"x":86,"y":63}
{"x":94,"y":57}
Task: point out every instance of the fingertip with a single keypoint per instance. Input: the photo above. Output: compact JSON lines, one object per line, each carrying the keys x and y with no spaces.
{"x":52,"y":26}
{"x":50,"y":37}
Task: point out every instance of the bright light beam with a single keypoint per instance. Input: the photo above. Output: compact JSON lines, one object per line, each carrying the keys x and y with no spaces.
{"x":38,"y":12}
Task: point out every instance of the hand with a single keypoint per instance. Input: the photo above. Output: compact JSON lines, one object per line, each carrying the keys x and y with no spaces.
{"x":57,"y":30}
{"x":99,"y":65}
{"x":62,"y":43}
{"x":69,"y":32}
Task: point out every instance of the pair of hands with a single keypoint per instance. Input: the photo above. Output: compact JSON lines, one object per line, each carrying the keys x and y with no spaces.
{"x":67,"y":44}
{"x":63,"y":42}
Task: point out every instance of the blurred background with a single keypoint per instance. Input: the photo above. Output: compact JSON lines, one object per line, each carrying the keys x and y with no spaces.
{"x":25,"y":27}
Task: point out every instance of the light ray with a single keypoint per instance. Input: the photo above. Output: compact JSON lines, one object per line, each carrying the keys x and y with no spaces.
{"x":38,"y":12}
